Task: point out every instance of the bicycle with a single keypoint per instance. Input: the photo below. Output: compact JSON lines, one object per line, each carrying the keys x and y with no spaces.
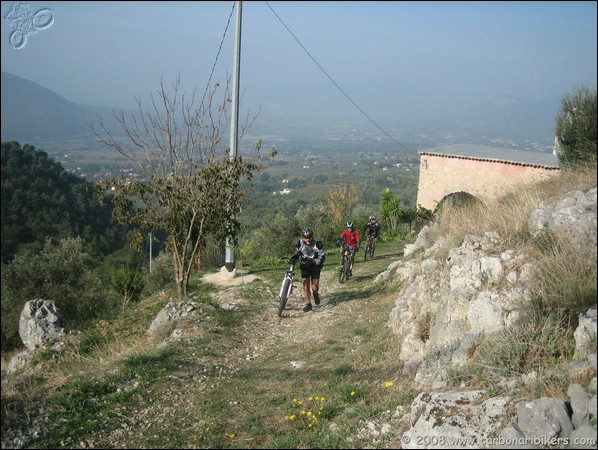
{"x":286,"y":288}
{"x":346,"y":263}
{"x":369,"y":248}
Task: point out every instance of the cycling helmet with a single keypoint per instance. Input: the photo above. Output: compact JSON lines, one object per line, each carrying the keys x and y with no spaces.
{"x":308,"y":232}
{"x":372,"y":217}
{"x":349,"y":224}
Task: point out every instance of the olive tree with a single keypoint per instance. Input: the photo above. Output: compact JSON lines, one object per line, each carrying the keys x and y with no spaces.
{"x":576,"y":128}
{"x":390,"y":209}
{"x":188,"y":184}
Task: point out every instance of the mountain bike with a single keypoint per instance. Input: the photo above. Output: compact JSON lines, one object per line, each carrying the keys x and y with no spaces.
{"x":345,"y":263}
{"x":369,"y":248}
{"x":286,"y":288}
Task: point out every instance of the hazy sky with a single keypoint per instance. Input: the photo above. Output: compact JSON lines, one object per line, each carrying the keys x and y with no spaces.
{"x":384,"y":55}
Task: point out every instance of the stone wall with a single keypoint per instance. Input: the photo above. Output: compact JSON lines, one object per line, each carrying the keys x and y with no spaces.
{"x":441,"y":175}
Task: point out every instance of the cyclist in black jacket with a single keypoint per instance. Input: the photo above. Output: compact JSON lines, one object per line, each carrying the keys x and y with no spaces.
{"x":372,"y":229}
{"x":310,"y":254}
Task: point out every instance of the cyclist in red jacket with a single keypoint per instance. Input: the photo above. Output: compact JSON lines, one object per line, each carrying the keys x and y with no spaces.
{"x":350,"y":236}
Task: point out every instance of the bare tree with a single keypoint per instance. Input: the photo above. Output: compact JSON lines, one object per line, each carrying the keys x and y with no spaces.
{"x":188,"y":184}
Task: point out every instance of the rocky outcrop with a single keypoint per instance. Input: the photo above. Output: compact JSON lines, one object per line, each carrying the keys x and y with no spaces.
{"x":574,"y":216}
{"x":449,"y":305}
{"x":177,"y":319}
{"x":40,"y":322}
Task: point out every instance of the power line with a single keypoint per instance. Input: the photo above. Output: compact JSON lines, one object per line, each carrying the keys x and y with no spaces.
{"x":217,"y":54}
{"x":334,"y":82}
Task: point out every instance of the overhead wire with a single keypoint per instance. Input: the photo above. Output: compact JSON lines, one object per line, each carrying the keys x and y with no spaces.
{"x":334,"y":82}
{"x":218,"y":54}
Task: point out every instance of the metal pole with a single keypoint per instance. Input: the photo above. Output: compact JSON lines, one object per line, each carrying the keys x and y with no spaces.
{"x":150,"y":252}
{"x":234,"y":125}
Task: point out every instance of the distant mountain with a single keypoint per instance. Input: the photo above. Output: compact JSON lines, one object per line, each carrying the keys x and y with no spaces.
{"x":404,"y":107}
{"x":31,"y":113}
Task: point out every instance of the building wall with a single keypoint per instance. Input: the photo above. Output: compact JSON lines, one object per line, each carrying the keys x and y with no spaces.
{"x":441,"y":175}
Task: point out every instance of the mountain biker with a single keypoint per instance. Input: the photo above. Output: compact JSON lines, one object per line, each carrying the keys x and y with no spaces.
{"x":311,"y":257}
{"x":350,"y":236}
{"x":372,"y":230}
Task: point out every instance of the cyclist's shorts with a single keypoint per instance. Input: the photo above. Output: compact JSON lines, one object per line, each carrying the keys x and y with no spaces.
{"x":311,"y":272}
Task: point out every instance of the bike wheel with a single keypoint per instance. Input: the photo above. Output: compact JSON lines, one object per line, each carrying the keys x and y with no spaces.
{"x":344,"y":273}
{"x":285,"y":290}
{"x":17,"y":39}
{"x":43,"y":19}
{"x":365,"y":253}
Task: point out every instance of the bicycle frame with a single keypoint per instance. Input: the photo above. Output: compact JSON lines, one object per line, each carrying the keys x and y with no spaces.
{"x":369,"y":248}
{"x":345,"y":264}
{"x":286,"y":289}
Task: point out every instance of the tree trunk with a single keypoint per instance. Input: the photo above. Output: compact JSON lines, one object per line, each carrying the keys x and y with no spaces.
{"x":180,"y":278}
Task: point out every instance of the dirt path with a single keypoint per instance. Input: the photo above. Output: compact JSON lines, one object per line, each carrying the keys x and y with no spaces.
{"x":295,"y":325}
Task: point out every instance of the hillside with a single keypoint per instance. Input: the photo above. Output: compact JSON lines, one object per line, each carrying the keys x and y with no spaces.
{"x":31,"y":113}
{"x":227,"y":372}
{"x":40,"y":200}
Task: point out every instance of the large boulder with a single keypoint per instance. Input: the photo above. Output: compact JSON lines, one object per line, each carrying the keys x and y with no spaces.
{"x":40,"y":321}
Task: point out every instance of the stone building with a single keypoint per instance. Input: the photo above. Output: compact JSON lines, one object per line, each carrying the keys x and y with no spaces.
{"x":463,"y":171}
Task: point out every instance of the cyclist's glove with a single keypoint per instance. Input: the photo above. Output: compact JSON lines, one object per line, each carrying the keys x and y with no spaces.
{"x":307,"y":262}
{"x":294,"y":259}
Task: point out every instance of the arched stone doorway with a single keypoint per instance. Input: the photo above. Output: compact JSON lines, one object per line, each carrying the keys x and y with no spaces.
{"x":453,"y":201}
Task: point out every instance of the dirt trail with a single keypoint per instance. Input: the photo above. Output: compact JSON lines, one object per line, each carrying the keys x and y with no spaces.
{"x":295,"y":325}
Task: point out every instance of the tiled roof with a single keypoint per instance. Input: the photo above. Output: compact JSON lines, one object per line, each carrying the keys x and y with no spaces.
{"x":486,"y":153}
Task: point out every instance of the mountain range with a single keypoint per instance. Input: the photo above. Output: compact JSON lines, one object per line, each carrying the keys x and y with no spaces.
{"x":33,"y":113}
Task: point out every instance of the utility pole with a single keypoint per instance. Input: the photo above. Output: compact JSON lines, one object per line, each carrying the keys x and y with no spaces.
{"x":234,"y":124}
{"x":150,"y":251}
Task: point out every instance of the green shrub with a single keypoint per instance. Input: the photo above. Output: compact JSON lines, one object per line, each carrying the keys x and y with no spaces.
{"x":162,"y":273}
{"x":128,"y":283}
{"x":61,"y":272}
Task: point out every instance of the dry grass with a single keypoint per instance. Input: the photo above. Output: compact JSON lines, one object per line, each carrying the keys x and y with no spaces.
{"x":509,"y":214}
{"x":565,"y":275}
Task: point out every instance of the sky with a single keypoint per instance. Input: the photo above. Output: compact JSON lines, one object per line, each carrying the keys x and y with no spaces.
{"x":347,"y":58}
